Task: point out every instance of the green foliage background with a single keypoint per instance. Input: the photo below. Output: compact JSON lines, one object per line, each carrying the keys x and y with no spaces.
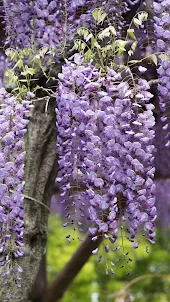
{"x":93,"y":285}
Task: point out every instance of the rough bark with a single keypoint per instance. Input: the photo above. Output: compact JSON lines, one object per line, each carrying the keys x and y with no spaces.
{"x":40,"y":173}
{"x":39,"y":177}
{"x":40,"y":284}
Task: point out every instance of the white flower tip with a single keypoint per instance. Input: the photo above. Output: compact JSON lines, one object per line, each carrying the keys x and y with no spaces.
{"x":142,"y":69}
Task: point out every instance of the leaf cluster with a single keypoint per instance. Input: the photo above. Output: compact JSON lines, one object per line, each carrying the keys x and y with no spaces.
{"x":25,"y":66}
{"x":104,"y":48}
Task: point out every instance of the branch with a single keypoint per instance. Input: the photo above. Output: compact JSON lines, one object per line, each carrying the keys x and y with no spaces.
{"x":154,"y":82}
{"x":129,"y":284}
{"x":57,"y":289}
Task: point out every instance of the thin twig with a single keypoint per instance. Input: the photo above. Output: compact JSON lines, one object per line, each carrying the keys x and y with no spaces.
{"x":129,"y":284}
{"x":52,"y":94}
{"x":153,"y":82}
{"x":33,"y":199}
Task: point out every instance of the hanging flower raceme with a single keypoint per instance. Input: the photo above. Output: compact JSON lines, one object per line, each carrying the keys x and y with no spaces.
{"x":55,"y":22}
{"x":19,"y":23}
{"x":132,"y":148}
{"x":73,"y":112}
{"x":105,"y":133}
{"x":13,"y":124}
{"x":162,"y":31}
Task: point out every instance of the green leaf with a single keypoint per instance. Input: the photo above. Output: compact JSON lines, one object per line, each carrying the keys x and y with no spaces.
{"x":120,"y":44}
{"x":154,"y":59}
{"x":134,"y":61}
{"x":31,"y":71}
{"x":134,"y":45}
{"x":130,"y":52}
{"x":12,"y":77}
{"x":104,"y":33}
{"x":89,"y":37}
{"x":83,"y":46}
{"x":93,"y":40}
{"x":19,"y":64}
{"x":107,"y":50}
{"x":113,"y":30}
{"x":107,"y":47}
{"x":37,"y":59}
{"x":43,"y":51}
{"x":99,"y":15}
{"x":77,"y":44}
{"x":131,"y":33}
{"x":132,"y":49}
{"x":164,"y":57}
{"x":83,"y":32}
{"x":96,"y":44}
{"x":23,"y":89}
{"x":28,"y":70}
{"x":88,"y":55}
{"x":13,"y":54}
{"x":137,"y":22}
{"x":26,"y":52}
{"x":142,"y":16}
{"x":52,"y":50}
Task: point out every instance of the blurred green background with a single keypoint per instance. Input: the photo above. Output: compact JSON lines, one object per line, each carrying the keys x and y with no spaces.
{"x":93,"y":285}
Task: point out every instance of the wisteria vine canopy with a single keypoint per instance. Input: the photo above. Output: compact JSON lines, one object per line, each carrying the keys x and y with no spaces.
{"x":84,"y":110}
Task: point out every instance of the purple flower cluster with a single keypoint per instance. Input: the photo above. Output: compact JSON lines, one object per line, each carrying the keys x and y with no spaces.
{"x":13,"y":123}
{"x":18,"y":22}
{"x":105,"y":133}
{"x":133,"y":148}
{"x":54,"y":22}
{"x":162,"y":31}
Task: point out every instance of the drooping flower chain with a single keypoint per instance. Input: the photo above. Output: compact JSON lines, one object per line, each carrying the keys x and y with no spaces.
{"x":45,"y":23}
{"x":19,"y":29}
{"x":13,"y":124}
{"x":105,"y":146}
{"x":162,"y":31}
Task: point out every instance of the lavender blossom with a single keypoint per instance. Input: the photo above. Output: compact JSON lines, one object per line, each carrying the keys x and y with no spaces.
{"x":54,"y":22}
{"x":19,"y":23}
{"x":162,"y":31}
{"x":13,"y":124}
{"x":105,"y":130}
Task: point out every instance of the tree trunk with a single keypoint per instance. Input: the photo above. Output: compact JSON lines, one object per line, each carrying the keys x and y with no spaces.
{"x":40,"y":173}
{"x":40,"y":284}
